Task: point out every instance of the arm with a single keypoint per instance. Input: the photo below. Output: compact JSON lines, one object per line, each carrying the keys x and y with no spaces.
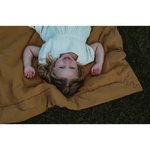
{"x":29,"y":53}
{"x":99,"y":52}
{"x":99,"y":58}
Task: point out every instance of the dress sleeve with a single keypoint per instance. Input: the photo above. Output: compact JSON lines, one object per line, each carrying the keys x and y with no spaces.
{"x":45,"y":49}
{"x":90,"y":54}
{"x":87,"y":56}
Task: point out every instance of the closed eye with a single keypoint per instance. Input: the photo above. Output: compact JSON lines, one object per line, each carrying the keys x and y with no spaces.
{"x":62,"y":67}
{"x":72,"y":67}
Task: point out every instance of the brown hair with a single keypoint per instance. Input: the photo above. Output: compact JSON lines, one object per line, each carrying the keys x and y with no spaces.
{"x":66,"y":86}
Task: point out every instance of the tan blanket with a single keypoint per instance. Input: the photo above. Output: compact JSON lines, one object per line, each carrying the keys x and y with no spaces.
{"x":22,"y":98}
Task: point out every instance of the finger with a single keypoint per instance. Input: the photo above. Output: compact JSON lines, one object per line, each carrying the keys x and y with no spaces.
{"x":33,"y":73}
{"x":30,"y":75}
{"x":92,"y":69}
{"x":25,"y":74}
{"x":93,"y":72}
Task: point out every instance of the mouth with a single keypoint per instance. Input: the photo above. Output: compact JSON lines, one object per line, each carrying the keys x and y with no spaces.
{"x":67,"y":58}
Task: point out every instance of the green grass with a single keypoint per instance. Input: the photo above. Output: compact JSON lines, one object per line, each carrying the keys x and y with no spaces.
{"x":132,"y":109}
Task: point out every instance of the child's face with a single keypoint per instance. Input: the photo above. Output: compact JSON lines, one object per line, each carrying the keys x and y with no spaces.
{"x":66,"y":67}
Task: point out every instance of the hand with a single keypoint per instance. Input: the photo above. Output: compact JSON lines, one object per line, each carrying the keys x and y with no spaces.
{"x":29,"y":72}
{"x":96,"y":70}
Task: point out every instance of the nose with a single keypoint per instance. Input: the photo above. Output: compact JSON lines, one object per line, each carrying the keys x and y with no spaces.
{"x":67,"y":61}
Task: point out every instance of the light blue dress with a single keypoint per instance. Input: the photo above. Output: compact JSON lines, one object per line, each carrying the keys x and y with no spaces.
{"x":65,"y":39}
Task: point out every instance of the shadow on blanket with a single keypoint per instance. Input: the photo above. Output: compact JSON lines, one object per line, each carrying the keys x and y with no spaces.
{"x":22,"y":98}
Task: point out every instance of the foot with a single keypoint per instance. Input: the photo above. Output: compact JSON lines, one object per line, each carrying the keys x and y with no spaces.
{"x":29,"y":72}
{"x":96,"y":70}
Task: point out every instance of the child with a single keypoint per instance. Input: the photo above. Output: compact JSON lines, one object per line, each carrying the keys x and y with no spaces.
{"x":62,"y":56}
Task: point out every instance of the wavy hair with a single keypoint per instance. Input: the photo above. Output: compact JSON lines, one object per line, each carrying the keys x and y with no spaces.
{"x":66,"y":86}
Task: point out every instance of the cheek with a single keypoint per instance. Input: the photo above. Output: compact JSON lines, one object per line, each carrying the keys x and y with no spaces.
{"x":58,"y":63}
{"x":75,"y":65}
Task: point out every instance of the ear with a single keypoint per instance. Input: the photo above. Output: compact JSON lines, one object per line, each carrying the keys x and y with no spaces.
{"x":53,"y":68}
{"x":80,"y":70}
